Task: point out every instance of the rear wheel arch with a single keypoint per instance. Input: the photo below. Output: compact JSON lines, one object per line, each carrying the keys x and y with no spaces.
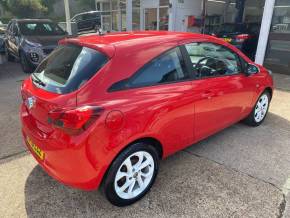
{"x":151,"y":141}
{"x":148,"y":140}
{"x":270,"y":91}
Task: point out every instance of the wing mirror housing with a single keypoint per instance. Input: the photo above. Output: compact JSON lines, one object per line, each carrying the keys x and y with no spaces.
{"x":251,"y":69}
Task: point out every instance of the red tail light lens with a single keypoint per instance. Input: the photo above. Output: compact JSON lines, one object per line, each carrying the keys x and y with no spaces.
{"x":74,"y":120}
{"x":242,"y":37}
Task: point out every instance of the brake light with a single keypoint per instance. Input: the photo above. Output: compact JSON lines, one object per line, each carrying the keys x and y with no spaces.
{"x":242,"y":37}
{"x":74,"y":120}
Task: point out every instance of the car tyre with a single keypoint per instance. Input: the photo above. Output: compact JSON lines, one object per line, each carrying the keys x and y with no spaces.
{"x":26,"y":67}
{"x":9,"y":57}
{"x":260,"y":110}
{"x":131,"y":175}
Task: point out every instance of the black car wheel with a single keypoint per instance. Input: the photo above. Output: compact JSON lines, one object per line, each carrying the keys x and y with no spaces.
{"x":9,"y":57}
{"x":26,"y":67}
{"x":132,"y":174}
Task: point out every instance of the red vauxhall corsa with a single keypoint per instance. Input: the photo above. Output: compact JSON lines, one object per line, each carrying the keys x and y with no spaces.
{"x":105,"y":109}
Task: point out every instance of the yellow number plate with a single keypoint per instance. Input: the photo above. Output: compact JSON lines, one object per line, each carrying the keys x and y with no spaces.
{"x":228,"y":39}
{"x":35,"y":149}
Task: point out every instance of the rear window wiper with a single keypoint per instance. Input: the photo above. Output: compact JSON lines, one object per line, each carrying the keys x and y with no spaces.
{"x":37,"y":80}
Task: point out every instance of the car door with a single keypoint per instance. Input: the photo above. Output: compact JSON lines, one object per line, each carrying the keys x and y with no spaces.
{"x":221,"y":91}
{"x":161,"y":91}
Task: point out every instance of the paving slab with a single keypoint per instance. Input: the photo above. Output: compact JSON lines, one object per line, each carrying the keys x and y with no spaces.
{"x":239,"y":172}
{"x":262,"y":152}
{"x":187,"y":186}
{"x":11,"y":77}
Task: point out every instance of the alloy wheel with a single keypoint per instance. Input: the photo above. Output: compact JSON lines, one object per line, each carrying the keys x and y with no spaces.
{"x":134,"y":175}
{"x":261,"y":108}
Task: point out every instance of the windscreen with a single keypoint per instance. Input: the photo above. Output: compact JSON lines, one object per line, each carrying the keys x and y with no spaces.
{"x":67,"y":68}
{"x":40,"y":29}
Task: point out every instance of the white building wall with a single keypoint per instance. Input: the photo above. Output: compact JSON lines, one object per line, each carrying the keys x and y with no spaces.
{"x":179,"y":12}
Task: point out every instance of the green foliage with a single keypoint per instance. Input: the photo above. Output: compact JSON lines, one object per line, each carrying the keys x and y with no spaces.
{"x":49,"y":4}
{"x":25,"y":8}
{"x":90,"y":3}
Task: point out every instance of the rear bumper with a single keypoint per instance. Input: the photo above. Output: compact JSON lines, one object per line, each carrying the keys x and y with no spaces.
{"x":65,"y":160}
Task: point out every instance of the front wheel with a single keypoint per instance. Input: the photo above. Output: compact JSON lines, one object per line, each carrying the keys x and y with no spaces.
{"x":26,"y":67}
{"x":259,"y":112}
{"x":132,"y":174}
{"x":8,"y":56}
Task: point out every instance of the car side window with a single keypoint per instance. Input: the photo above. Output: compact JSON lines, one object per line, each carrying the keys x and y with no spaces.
{"x":10,"y":29}
{"x":14,"y":29}
{"x":212,"y":60}
{"x":166,"y":68}
{"x":78,"y":18}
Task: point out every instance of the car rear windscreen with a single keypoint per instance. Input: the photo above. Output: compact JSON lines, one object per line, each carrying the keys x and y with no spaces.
{"x":67,"y":68}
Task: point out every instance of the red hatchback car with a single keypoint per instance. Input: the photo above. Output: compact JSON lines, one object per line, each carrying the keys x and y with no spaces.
{"x":105,"y":109}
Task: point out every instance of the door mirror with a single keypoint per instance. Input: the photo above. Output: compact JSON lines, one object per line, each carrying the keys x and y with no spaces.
{"x":251,"y":69}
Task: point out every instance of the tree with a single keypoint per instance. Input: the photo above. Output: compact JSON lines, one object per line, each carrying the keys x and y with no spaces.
{"x":90,"y":3}
{"x":49,"y":4}
{"x":24,"y":8}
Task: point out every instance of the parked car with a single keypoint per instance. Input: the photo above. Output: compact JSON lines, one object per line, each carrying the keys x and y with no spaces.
{"x":2,"y":28}
{"x":2,"y":31}
{"x":90,"y":20}
{"x":92,"y":115}
{"x":244,"y":36}
{"x":31,"y":40}
{"x":2,"y":44}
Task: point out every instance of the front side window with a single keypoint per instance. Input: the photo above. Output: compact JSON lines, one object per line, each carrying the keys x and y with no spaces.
{"x":10,"y":27}
{"x":167,"y":68}
{"x":211,"y":60}
{"x":14,"y":29}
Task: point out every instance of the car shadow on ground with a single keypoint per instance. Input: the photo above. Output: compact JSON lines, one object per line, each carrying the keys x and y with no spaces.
{"x":262,"y":152}
{"x":186,"y":185}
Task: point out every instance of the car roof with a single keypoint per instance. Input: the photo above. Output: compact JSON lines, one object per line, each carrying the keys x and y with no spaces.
{"x":87,"y":12}
{"x":109,"y":42}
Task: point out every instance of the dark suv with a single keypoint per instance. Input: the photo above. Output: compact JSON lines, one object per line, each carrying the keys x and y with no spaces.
{"x":88,"y":20}
{"x":31,"y":40}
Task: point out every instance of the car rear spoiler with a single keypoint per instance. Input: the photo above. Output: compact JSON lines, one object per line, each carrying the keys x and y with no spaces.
{"x":107,"y":49}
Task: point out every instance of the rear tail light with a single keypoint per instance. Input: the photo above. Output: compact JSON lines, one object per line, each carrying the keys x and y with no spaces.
{"x":74,"y":120}
{"x":242,"y":37}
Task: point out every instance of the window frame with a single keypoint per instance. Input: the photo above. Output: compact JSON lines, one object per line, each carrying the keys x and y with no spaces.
{"x":240,"y":60}
{"x":11,"y":26}
{"x":184,"y":64}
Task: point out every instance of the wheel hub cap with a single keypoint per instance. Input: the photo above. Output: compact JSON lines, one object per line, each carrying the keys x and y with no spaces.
{"x":261,"y":108}
{"x":134,"y":175}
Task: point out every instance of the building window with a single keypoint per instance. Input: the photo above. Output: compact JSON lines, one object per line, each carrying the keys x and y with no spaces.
{"x":278,"y":51}
{"x":136,"y":15}
{"x":163,"y":2}
{"x":113,"y":14}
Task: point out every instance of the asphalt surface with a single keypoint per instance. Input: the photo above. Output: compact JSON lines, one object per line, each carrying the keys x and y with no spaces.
{"x":239,"y":172}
